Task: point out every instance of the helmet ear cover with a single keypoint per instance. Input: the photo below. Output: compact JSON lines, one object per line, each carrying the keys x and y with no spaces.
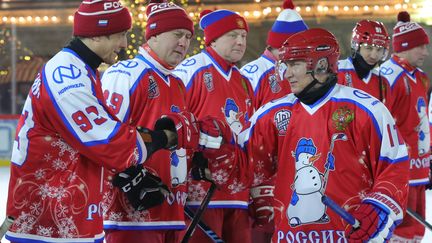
{"x":317,"y":47}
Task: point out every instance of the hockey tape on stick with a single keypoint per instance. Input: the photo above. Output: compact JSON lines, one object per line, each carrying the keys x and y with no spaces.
{"x":205,"y":228}
{"x":419,"y":218}
{"x":7,"y":223}
{"x":341,"y":212}
{"x":199,"y":212}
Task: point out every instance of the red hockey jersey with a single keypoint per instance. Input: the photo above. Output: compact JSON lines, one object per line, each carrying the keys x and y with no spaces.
{"x":140,"y":91}
{"x":374,"y":83}
{"x":64,"y":136}
{"x":224,"y":94}
{"x":409,"y":106}
{"x":345,"y":146}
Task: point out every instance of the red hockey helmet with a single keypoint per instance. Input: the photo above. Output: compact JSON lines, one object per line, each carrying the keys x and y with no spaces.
{"x":317,"y":47}
{"x":370,"y":32}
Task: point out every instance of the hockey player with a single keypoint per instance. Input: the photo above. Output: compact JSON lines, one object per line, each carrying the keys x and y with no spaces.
{"x":66,"y":135}
{"x":409,"y":87}
{"x":214,"y":86}
{"x":324,"y":139}
{"x":267,"y":86}
{"x":260,"y":72}
{"x":140,"y":91}
{"x":369,"y":47}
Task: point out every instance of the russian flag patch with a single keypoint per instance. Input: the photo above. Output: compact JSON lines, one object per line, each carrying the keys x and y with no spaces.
{"x":103,"y":22}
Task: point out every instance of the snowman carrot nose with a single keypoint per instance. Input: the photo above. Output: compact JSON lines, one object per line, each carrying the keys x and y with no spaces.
{"x":238,"y":115}
{"x":313,"y":158}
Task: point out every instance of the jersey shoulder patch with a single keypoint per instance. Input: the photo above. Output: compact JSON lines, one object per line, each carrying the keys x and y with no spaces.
{"x":256,"y":70}
{"x":391,"y":71}
{"x":344,"y":65}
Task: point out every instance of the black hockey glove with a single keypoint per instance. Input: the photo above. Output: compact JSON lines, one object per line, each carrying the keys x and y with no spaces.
{"x":185,"y":127}
{"x":143,"y":189}
{"x":200,"y":170}
{"x":153,"y":140}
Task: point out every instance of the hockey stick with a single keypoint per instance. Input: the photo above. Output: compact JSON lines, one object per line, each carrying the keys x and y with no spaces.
{"x":419,"y":218}
{"x":335,"y":137}
{"x":340,"y":211}
{"x":7,"y":223}
{"x":199,"y":212}
{"x":207,"y":230}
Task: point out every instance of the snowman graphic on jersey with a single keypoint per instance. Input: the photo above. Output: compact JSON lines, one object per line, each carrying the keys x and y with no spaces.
{"x":178,"y":168}
{"x":232,"y":116}
{"x":423,"y":127}
{"x":306,"y":206}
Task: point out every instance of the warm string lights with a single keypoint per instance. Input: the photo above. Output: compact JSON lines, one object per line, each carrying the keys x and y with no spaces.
{"x":138,"y":11}
{"x":136,"y":36}
{"x":256,"y":11}
{"x":23,"y":53}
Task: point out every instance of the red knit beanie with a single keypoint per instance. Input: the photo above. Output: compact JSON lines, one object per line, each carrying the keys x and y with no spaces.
{"x":287,"y":23}
{"x":216,"y":23}
{"x":99,"y":18}
{"x":163,"y":17}
{"x":407,"y":35}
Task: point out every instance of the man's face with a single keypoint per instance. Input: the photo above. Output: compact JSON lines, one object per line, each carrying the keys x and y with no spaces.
{"x":417,"y":55}
{"x":372,"y":54}
{"x":110,"y":46}
{"x":172,"y":46}
{"x":296,"y":74}
{"x":232,"y":45}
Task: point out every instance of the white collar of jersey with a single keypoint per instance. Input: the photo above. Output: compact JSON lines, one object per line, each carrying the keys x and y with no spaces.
{"x":163,"y":72}
{"x":226,"y":75}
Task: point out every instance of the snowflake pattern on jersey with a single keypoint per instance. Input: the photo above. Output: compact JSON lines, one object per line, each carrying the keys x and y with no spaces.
{"x":196,"y":192}
{"x":51,"y":195}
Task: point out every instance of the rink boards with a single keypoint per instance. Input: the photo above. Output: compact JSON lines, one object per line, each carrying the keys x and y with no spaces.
{"x":8,"y":125}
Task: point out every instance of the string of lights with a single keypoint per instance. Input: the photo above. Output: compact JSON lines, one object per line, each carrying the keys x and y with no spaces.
{"x":255,"y":11}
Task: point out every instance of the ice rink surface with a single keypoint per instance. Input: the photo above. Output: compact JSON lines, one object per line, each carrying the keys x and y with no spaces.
{"x":4,"y":180}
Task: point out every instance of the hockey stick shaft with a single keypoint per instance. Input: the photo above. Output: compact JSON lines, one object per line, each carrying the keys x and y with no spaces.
{"x":335,"y":137}
{"x":7,"y":223}
{"x":199,"y":212}
{"x":340,"y":211}
{"x":419,"y":218}
{"x":205,"y":228}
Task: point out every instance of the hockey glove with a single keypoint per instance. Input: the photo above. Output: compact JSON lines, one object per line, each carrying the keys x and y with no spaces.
{"x":377,"y":223}
{"x":155,"y":140}
{"x":214,"y":132}
{"x":262,"y":205}
{"x":220,"y":157}
{"x":200,"y":170}
{"x":143,"y":189}
{"x":184,"y":125}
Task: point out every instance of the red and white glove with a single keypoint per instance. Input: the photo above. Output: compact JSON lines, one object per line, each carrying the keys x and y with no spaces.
{"x":220,"y":158}
{"x":185,"y":125}
{"x":214,"y":132}
{"x":215,"y":140}
{"x":378,"y":218}
{"x":262,"y":209}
